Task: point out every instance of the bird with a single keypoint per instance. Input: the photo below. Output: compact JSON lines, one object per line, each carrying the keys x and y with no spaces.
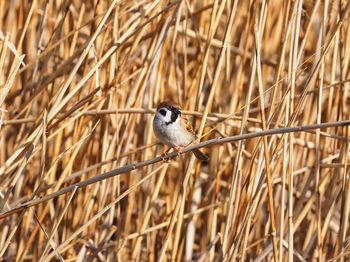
{"x":174,"y":130}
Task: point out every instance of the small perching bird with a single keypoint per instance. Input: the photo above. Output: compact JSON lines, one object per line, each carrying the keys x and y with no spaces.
{"x":174,"y":130}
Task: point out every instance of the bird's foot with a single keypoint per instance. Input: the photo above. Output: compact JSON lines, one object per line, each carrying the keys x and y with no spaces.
{"x":178,"y":148}
{"x":164,"y":156}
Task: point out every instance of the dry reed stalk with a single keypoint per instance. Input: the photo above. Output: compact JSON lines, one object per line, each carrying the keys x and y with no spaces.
{"x":266,"y":84}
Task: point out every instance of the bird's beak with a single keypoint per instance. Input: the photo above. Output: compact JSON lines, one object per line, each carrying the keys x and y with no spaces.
{"x":177,"y":111}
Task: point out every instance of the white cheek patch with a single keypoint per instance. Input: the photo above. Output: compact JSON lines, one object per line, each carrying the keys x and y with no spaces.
{"x":168,"y":116}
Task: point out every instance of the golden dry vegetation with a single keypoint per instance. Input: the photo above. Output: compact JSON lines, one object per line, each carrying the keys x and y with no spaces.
{"x":80,"y":174}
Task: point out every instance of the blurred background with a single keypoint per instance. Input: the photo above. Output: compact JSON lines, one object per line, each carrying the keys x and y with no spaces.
{"x":79,"y":82}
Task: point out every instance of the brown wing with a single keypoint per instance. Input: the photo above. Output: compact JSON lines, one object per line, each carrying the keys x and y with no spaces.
{"x":188,"y":126}
{"x":201,"y":156}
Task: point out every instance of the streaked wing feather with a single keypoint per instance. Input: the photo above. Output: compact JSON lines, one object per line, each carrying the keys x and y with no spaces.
{"x":188,"y":125}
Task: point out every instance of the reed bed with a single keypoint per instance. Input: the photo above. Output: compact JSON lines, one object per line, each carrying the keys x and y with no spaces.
{"x":265,"y":84}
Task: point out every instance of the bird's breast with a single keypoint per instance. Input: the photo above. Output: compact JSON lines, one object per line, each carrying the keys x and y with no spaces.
{"x":172,"y":134}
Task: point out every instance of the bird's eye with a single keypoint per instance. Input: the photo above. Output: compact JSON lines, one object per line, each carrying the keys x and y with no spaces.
{"x":162,"y":112}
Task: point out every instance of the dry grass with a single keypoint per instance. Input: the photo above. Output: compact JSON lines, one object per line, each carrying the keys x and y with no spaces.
{"x":80,"y":173}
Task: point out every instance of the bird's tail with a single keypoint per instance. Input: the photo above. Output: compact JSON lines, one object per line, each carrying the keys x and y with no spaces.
{"x":201,"y":156}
